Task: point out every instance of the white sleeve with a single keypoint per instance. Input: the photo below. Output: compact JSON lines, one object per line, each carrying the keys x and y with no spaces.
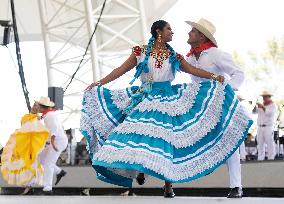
{"x":255,"y":111}
{"x":225,"y":62}
{"x":270,"y":111}
{"x":50,"y":122}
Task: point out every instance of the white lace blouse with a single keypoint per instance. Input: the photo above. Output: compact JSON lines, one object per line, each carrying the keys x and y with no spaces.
{"x":158,"y":74}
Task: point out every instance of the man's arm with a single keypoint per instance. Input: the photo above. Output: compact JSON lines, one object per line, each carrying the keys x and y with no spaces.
{"x":53,"y":129}
{"x":225,"y":62}
{"x":52,"y":141}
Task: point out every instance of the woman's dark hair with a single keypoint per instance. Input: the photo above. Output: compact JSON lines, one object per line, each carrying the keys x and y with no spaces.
{"x":160,"y":24}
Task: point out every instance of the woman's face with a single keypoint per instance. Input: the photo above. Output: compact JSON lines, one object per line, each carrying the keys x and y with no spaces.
{"x":35,"y":108}
{"x":166,"y":33}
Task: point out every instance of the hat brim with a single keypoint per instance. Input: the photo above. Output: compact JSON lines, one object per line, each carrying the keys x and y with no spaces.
{"x":203,"y":30}
{"x":266,"y":95}
{"x":51,"y":104}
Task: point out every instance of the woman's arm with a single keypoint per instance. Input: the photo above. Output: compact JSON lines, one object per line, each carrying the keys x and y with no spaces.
{"x":129,"y":64}
{"x":187,"y":68}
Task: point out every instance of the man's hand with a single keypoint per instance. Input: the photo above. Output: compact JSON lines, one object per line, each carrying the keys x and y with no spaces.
{"x":52,"y":141}
{"x":220,"y":78}
{"x":259,"y":105}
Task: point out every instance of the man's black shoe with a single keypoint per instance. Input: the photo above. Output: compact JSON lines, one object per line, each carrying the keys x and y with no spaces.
{"x":236,"y":192}
{"x":47,"y":193}
{"x":59,"y":176}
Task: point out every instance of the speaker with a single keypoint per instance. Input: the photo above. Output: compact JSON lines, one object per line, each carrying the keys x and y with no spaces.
{"x":56,"y":95}
{"x":6,"y":36}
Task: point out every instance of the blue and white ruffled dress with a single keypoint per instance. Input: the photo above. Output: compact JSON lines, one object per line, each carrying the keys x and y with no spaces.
{"x":176,"y":133}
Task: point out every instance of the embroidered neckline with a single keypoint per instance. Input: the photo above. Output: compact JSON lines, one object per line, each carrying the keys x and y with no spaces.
{"x":160,"y":55}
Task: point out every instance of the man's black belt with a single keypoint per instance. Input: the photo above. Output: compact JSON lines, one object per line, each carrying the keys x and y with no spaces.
{"x":263,"y":125}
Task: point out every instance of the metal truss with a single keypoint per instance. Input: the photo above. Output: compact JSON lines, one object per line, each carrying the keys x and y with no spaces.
{"x":67,"y":26}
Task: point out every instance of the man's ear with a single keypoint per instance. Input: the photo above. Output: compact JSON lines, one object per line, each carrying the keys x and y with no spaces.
{"x":202,"y":36}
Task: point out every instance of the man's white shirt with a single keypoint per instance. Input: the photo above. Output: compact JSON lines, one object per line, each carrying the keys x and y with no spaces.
{"x":266,"y":117}
{"x":54,"y":125}
{"x":218,"y":62}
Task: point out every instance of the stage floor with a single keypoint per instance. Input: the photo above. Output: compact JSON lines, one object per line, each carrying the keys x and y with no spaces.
{"x":266,"y":174}
{"x":131,"y":200}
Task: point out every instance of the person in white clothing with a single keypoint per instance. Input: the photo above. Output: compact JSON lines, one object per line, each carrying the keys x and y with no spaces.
{"x":265,"y":126}
{"x":58,"y":143}
{"x":205,"y":55}
{"x":242,"y":146}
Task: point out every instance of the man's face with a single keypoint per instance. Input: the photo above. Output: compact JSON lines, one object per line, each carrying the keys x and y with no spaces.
{"x":194,"y":36}
{"x":265,"y":98}
{"x":40,"y":109}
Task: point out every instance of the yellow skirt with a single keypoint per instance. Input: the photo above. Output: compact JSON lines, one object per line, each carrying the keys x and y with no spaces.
{"x":20,"y":162}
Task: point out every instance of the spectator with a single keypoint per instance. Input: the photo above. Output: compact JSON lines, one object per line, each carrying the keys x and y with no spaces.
{"x":265,"y":124}
{"x":250,"y":147}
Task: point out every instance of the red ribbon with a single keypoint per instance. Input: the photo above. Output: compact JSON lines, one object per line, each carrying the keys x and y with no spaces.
{"x":46,"y":111}
{"x":201,"y":48}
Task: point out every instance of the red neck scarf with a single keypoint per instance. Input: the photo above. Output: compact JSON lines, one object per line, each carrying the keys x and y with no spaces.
{"x":201,"y":48}
{"x":46,"y":111}
{"x":268,"y":102}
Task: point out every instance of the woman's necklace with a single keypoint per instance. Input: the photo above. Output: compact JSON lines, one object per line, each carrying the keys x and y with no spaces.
{"x":160,"y":55}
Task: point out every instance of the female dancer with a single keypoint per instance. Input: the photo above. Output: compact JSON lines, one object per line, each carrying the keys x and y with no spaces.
{"x":176,"y":133}
{"x":20,"y":162}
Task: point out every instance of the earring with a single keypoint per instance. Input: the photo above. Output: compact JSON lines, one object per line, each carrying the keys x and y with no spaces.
{"x":159,"y":38}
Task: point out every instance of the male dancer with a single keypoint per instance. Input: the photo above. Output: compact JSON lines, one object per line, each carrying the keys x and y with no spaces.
{"x":58,"y":143}
{"x":204,"y":54}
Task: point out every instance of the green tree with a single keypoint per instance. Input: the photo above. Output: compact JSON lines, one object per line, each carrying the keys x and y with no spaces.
{"x":266,"y":68}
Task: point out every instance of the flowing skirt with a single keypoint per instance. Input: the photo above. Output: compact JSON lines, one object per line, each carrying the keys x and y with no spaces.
{"x":20,"y":162}
{"x":176,"y":133}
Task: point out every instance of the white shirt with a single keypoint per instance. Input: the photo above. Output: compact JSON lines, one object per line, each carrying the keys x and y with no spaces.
{"x":54,"y":126}
{"x":266,"y":117}
{"x":218,"y":62}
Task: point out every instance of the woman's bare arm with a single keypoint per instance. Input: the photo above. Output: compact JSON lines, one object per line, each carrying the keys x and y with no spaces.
{"x":187,"y":68}
{"x":129,"y":64}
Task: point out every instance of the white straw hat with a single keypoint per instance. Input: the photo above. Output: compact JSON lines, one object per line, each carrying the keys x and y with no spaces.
{"x":205,"y":27}
{"x":266,"y":93}
{"x":45,"y":101}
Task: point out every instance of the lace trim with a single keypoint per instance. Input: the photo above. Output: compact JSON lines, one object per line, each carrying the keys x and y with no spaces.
{"x":139,"y":145}
{"x":185,"y":99}
{"x":14,"y":171}
{"x":93,"y":117}
{"x":120,"y":98}
{"x":174,"y":97}
{"x":186,"y":170}
{"x":32,"y":126}
{"x":183,"y":138}
{"x":172,"y":108}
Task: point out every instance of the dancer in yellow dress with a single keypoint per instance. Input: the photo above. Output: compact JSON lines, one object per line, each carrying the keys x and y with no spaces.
{"x":20,"y":162}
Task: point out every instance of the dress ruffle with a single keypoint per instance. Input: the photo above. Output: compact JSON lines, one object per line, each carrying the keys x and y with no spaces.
{"x":178,"y":133}
{"x":20,"y":163}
